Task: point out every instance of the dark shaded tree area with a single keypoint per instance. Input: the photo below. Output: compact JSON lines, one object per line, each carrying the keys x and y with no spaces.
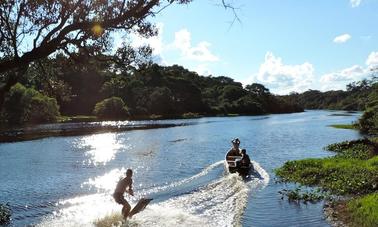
{"x":34,"y":30}
{"x":146,"y":89}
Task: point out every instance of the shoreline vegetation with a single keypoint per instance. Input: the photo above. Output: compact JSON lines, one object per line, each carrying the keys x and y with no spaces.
{"x":350,"y":176}
{"x":345,"y":126}
{"x":150,"y":91}
{"x":348,"y":180}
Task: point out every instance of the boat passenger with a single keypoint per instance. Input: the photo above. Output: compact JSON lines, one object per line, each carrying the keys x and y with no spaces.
{"x":245,"y":161}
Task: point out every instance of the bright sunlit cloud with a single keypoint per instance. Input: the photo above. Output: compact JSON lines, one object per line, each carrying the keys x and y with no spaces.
{"x":199,"y":52}
{"x":342,"y":38}
{"x":338,"y":80}
{"x":355,"y":3}
{"x":372,"y":60}
{"x":281,"y":78}
{"x":203,"y":69}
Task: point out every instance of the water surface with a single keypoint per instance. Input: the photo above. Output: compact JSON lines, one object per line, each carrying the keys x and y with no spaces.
{"x":68,"y":181}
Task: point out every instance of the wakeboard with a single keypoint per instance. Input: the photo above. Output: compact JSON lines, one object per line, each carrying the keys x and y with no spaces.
{"x":142,"y":203}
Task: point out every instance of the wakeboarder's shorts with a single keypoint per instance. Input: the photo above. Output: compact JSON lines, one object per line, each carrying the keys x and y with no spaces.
{"x":118,"y":197}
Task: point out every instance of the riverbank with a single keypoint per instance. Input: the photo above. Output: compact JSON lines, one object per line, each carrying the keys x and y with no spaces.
{"x":351,"y":174}
{"x":85,"y":125}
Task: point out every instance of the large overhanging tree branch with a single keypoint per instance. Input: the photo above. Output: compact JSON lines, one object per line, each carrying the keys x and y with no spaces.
{"x":34,"y":29}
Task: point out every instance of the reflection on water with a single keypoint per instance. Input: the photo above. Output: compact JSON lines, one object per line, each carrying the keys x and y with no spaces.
{"x":107,"y":181}
{"x":101,"y":148}
{"x":69,"y":180}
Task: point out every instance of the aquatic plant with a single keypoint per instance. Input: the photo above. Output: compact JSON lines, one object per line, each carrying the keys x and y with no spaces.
{"x":360,"y":149}
{"x":5,"y":214}
{"x":300,"y":195}
{"x":352,"y":171}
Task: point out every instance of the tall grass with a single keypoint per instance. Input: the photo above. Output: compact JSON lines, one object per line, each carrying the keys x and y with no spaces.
{"x":364,"y":210}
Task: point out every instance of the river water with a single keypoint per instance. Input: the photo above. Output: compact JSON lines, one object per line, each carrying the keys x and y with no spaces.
{"x":68,"y":181}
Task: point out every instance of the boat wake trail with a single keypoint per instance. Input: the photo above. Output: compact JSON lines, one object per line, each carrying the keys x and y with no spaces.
{"x":221,"y":202}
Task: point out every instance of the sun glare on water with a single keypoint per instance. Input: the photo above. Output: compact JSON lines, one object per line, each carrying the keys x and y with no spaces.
{"x":102,"y":147}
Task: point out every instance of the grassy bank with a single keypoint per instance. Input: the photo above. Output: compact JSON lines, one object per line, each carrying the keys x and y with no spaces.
{"x":353,"y":171}
{"x":344,"y":126}
{"x":364,"y":210}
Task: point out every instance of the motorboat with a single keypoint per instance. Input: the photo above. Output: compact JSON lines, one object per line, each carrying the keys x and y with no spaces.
{"x":233,"y":165}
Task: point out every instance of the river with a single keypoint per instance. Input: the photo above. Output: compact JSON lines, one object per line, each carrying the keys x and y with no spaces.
{"x":68,"y":181}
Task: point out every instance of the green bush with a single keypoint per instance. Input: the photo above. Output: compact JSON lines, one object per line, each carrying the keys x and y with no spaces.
{"x":26,"y":105}
{"x":5,"y":214}
{"x":368,"y":123}
{"x":112,"y":108}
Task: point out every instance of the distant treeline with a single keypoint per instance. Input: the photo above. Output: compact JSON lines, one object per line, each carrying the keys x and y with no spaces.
{"x":110,"y":91}
{"x":359,"y":96}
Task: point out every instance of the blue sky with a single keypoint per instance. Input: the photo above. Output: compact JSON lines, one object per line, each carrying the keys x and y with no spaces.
{"x":287,"y":45}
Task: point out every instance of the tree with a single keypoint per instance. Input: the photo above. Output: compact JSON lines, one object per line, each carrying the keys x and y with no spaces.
{"x":32,"y":30}
{"x":111,"y":108}
{"x":26,"y":105}
{"x":257,"y":89}
{"x":232,"y":93}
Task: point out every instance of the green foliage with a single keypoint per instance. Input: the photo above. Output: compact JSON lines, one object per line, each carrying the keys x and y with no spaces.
{"x":364,"y":210}
{"x":148,"y":90}
{"x":359,"y":149}
{"x":298,"y":194}
{"x":26,"y":105}
{"x":358,"y":96}
{"x":5,"y":214}
{"x":77,"y":118}
{"x":338,"y":175}
{"x":232,"y":93}
{"x":344,"y":126}
{"x":111,"y":108}
{"x":368,"y":123}
{"x":161,"y":101}
{"x":349,"y":172}
{"x":191,"y":115}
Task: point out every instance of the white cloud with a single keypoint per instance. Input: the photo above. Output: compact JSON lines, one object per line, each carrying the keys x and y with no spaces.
{"x":155,"y":42}
{"x":338,"y":80}
{"x":372,"y":60}
{"x":355,"y":3}
{"x":281,"y":78}
{"x":203,"y":70}
{"x":342,"y":38}
{"x":200,"y":52}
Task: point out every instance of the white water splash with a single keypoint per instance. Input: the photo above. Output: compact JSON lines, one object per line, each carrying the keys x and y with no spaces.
{"x":220,"y":203}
